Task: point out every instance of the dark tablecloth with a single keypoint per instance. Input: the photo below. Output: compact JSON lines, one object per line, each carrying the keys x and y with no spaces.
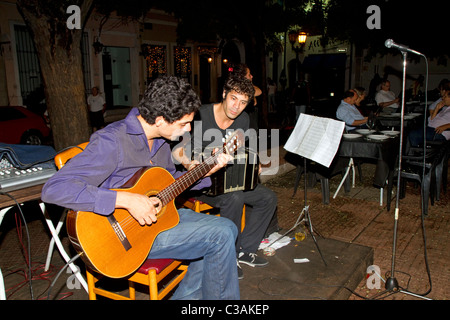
{"x":385,"y":152}
{"x":409,"y":121}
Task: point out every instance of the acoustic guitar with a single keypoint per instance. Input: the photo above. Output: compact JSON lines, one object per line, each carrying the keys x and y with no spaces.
{"x":116,"y":245}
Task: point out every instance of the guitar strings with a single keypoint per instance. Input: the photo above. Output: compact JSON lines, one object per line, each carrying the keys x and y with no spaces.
{"x":209,"y":161}
{"x":170,"y":191}
{"x":129,"y":223}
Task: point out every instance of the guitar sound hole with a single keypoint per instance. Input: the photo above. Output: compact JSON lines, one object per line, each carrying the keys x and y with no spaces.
{"x":162,"y":210}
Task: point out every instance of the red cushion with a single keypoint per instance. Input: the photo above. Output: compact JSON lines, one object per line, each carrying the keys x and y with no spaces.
{"x":193,"y":200}
{"x":156,"y":264}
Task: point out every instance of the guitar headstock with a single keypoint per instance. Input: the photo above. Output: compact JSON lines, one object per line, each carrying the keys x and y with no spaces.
{"x":233,"y":141}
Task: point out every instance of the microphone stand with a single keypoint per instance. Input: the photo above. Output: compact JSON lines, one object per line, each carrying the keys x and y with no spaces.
{"x":391,"y":284}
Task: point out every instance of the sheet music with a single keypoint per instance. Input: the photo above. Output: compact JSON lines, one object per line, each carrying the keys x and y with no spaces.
{"x":316,"y":138}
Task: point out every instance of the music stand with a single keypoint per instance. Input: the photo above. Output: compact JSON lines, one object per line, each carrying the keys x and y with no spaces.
{"x":317,"y":139}
{"x":305,"y":214}
{"x":304,"y":217}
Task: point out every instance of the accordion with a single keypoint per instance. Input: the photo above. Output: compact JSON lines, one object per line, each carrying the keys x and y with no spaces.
{"x":241,"y":175}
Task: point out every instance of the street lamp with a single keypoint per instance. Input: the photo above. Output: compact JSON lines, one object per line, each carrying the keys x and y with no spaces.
{"x":300,"y":38}
{"x":297,"y":37}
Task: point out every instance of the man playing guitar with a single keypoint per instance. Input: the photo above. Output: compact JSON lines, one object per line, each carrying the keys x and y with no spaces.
{"x":115,"y":153}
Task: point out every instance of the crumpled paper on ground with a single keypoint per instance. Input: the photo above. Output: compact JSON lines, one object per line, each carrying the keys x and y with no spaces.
{"x":283,"y":241}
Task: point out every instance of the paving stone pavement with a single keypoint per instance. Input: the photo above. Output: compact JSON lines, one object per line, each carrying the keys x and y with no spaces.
{"x":357,"y":217}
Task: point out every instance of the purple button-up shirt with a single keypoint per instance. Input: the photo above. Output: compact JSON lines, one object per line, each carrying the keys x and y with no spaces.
{"x":113,"y":155}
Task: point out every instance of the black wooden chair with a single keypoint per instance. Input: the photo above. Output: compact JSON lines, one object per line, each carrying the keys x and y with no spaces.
{"x":426,"y":167}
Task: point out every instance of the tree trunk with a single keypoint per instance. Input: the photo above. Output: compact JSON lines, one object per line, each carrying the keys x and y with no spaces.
{"x":60,"y":60}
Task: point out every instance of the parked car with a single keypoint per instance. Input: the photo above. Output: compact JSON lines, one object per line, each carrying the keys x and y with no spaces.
{"x":19,"y":125}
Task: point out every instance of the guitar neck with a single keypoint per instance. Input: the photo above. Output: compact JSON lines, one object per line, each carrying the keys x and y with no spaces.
{"x":189,"y":178}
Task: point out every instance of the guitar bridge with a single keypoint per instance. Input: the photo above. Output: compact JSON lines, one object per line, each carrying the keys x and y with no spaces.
{"x":119,"y":232}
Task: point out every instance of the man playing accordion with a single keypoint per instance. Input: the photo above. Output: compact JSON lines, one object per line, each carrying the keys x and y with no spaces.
{"x":216,"y":120}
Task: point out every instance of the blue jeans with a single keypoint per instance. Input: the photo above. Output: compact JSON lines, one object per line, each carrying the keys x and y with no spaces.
{"x":208,"y":242}
{"x":416,"y":136}
{"x":260,"y":202}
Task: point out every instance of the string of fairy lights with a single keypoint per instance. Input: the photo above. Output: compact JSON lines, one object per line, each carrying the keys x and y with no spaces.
{"x":156,"y":61}
{"x":182,"y":57}
{"x":155,"y":57}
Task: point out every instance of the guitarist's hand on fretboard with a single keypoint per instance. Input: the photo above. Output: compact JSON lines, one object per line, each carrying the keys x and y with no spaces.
{"x":143,"y":208}
{"x":222,"y":160}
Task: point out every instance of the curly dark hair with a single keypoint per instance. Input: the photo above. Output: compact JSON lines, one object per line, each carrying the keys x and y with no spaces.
{"x":241,"y":85}
{"x":169,"y":97}
{"x":239,"y":69}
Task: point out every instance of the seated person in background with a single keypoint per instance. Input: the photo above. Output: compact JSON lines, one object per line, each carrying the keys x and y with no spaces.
{"x":442,"y":87}
{"x":113,"y":156}
{"x":385,"y":98}
{"x":417,"y":88}
{"x":438,"y":123}
{"x":348,"y":113}
{"x":359,"y":102}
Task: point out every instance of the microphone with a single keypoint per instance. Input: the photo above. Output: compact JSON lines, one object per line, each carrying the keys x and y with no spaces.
{"x":389,"y":43}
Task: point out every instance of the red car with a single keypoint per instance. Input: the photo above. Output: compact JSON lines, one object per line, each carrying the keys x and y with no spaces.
{"x":19,"y":125}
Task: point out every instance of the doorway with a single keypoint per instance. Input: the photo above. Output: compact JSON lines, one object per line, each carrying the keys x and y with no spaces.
{"x":117,"y":77}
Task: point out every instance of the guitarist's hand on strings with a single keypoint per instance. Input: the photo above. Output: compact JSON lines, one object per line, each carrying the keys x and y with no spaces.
{"x":143,"y":208}
{"x":222,"y":160}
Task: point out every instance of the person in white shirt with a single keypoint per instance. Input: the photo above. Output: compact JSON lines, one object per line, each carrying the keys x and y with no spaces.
{"x":97,"y":106}
{"x":385,"y":98}
{"x":438,"y":123}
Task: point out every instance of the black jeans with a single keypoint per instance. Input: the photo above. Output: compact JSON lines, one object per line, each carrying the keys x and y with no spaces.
{"x":260,"y":204}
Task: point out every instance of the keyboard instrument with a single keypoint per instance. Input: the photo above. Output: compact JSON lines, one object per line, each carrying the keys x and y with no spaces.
{"x":12,"y":178}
